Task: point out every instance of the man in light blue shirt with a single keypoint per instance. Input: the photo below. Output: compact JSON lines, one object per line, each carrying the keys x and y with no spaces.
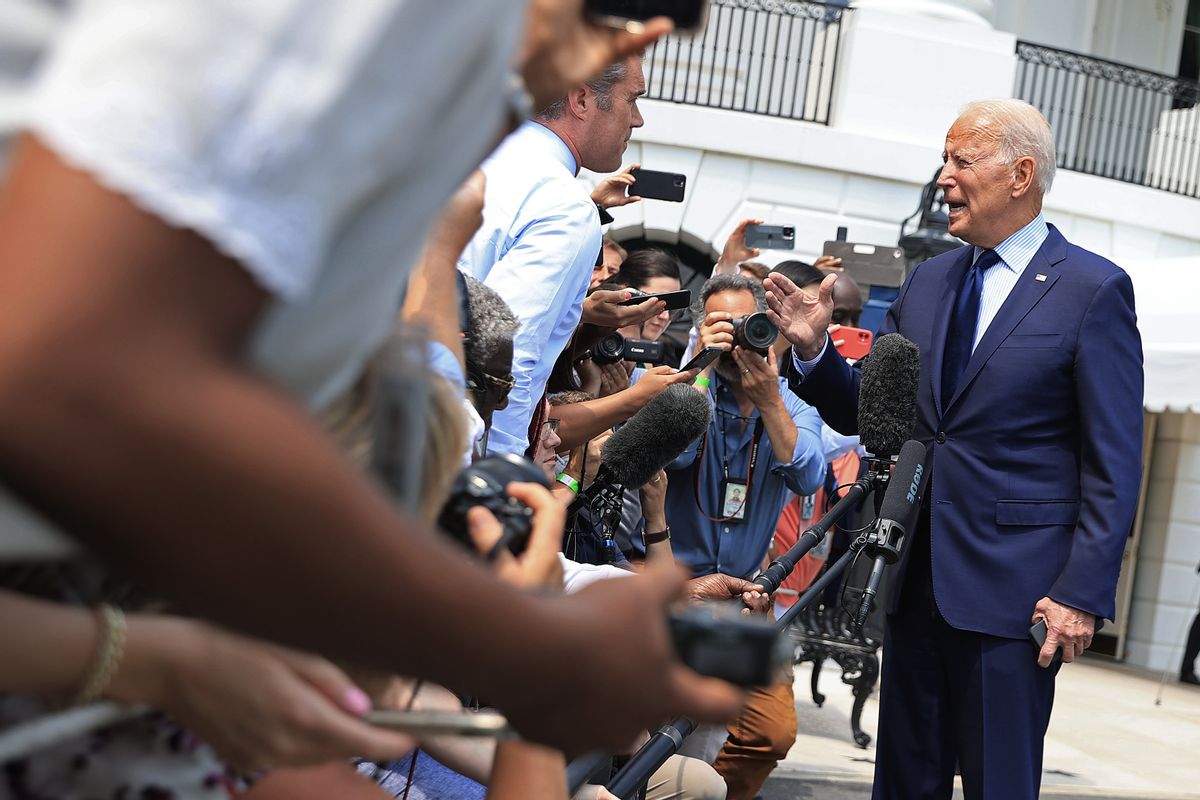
{"x":541,"y":232}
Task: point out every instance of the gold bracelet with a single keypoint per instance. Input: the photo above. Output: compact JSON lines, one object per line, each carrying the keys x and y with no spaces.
{"x":108,"y":655}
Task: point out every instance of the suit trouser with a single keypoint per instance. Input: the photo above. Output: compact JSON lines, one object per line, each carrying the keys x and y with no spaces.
{"x":949,"y":696}
{"x":758,"y":739}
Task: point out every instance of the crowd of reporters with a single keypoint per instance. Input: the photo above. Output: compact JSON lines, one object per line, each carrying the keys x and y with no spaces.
{"x":225,"y":509}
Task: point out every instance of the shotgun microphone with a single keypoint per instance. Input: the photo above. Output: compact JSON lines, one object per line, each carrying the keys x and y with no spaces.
{"x":902,"y":496}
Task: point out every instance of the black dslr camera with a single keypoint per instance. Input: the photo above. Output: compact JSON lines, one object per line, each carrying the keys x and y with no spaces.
{"x":483,"y":484}
{"x":755,"y":332}
{"x":615,"y":347}
{"x":714,"y":639}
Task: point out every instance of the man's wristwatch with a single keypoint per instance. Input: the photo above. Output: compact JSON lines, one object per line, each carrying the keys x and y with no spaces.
{"x":654,"y":538}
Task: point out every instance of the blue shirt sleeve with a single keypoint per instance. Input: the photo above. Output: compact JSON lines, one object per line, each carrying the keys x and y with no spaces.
{"x":805,"y":472}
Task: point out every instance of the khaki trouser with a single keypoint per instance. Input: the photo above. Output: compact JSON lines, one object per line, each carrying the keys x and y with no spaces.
{"x":758,"y":739}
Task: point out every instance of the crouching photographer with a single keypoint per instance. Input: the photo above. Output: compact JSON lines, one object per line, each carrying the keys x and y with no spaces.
{"x":727,"y":490}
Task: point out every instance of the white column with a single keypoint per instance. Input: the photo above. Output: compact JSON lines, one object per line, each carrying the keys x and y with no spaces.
{"x":905,"y":75}
{"x":974,"y":12}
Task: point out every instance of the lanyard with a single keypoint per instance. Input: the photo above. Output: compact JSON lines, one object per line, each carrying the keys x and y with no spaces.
{"x":754,"y":440}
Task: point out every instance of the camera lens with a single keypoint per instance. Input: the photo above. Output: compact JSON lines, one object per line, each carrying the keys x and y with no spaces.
{"x":484,"y":484}
{"x":679,"y":181}
{"x":755,"y":332}
{"x":609,"y":350}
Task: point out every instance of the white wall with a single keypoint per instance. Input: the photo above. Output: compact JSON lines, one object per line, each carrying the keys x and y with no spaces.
{"x":1166,"y":588}
{"x":1141,"y":33}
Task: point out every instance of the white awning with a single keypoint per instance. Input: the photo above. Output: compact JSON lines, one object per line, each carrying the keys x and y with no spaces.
{"x":1167,"y":293}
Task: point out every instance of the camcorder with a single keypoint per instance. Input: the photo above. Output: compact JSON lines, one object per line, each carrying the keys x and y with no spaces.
{"x":615,"y":347}
{"x":755,"y":332}
{"x":485,"y":483}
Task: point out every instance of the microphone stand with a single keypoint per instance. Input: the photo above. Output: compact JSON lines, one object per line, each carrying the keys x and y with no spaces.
{"x":669,"y":738}
{"x":604,"y":501}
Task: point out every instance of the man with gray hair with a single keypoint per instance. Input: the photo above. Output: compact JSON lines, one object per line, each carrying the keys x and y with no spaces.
{"x":1030,"y":407}
{"x":541,"y":233}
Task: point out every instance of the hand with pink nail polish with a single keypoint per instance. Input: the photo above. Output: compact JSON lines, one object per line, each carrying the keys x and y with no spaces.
{"x":258,"y":705}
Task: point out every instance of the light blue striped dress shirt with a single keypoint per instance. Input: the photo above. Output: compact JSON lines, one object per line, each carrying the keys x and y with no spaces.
{"x":1015,"y":253}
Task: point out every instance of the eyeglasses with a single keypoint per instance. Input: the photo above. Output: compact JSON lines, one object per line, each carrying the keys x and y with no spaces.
{"x":552,"y":424}
{"x":502,"y":386}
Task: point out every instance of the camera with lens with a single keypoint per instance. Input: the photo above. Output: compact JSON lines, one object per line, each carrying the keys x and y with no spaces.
{"x":615,"y":347}
{"x":755,"y":332}
{"x":484,"y":484}
{"x":714,"y":639}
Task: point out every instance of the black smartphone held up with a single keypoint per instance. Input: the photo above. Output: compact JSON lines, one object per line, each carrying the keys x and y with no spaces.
{"x":688,"y":15}
{"x":675,"y":300}
{"x":1037,"y":635}
{"x":771,"y":237}
{"x":702,"y":359}
{"x":650,"y":184}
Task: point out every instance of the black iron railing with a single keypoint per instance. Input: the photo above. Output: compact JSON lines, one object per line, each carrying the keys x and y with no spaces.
{"x":1114,"y":120}
{"x":770,"y":57}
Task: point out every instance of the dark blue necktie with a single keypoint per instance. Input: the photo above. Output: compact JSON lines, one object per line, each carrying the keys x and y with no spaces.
{"x":960,"y":338}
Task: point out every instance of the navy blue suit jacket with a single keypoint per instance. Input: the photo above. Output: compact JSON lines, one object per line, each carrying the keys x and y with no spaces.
{"x":1036,"y":460}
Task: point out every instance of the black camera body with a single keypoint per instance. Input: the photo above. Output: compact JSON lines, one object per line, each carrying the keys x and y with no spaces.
{"x":755,"y":332}
{"x":484,"y":484}
{"x":615,"y":347}
{"x":716,"y":640}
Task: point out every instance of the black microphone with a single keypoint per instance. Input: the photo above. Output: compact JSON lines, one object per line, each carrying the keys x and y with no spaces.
{"x":651,"y":439}
{"x":902,"y":495}
{"x":887,"y":395}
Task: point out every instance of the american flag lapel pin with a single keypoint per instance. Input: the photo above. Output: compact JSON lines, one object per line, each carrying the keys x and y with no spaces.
{"x":1040,"y":277}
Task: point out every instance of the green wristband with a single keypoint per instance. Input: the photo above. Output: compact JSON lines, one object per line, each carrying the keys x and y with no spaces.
{"x":567,"y":481}
{"x":702,"y":381}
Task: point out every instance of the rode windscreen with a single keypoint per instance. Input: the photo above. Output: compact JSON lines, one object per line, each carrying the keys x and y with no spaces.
{"x":655,"y":436}
{"x":887,"y":395}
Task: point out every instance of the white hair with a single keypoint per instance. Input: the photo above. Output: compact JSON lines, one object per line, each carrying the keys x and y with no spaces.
{"x":1021,"y":131}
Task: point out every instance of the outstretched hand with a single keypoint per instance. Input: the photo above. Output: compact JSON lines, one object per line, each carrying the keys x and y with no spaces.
{"x":611,"y":191}
{"x":726,"y":587}
{"x":800,"y":317}
{"x":603,"y":308}
{"x":563,"y":48}
{"x":736,"y":250}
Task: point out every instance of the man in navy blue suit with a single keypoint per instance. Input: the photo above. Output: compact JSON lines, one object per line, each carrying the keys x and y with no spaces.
{"x":1030,"y":405}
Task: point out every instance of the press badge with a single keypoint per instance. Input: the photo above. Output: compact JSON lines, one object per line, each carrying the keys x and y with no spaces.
{"x":735,"y":497}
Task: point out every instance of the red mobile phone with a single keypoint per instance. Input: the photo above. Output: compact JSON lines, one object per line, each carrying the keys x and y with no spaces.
{"x":855,"y":342}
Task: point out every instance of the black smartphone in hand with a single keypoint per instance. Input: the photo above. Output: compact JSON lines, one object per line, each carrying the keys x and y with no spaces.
{"x":688,"y":15}
{"x":650,"y":184}
{"x":1037,"y":635}
{"x":702,"y":359}
{"x":674,"y":300}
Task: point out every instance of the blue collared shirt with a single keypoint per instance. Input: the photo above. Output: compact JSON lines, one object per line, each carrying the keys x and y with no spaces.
{"x":536,"y":248}
{"x":737,"y":548}
{"x":1015,"y":254}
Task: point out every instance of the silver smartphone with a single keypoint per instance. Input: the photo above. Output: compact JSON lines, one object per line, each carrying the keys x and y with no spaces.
{"x":443,"y":723}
